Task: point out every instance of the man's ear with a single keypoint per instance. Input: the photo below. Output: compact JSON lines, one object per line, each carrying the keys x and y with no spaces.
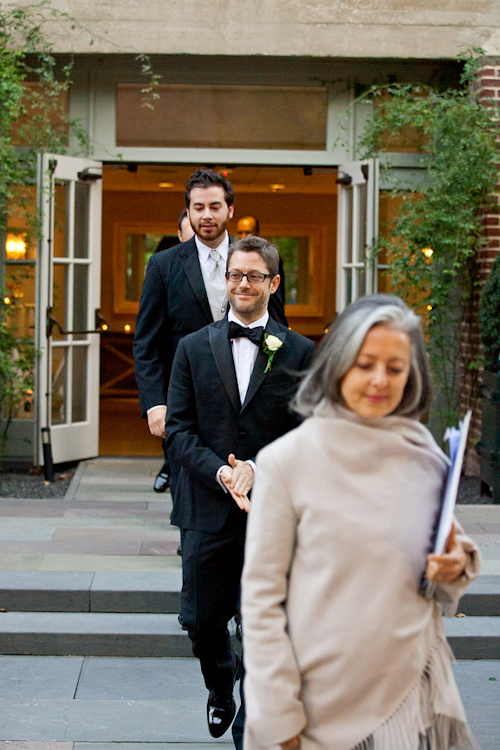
{"x":231,"y":211}
{"x":275,"y":282}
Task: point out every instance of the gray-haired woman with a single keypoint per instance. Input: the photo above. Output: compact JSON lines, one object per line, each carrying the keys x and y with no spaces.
{"x":341,"y":651}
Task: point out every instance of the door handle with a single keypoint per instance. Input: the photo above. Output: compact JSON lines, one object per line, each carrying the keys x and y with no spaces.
{"x":52,"y":322}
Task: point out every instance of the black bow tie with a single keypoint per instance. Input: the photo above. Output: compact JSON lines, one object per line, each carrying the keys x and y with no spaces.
{"x":254,"y":334}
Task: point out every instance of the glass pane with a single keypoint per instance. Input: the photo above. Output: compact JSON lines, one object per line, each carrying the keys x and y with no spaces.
{"x":19,"y":298}
{"x":59,"y":297}
{"x":59,"y":385}
{"x":295,"y":254}
{"x":233,"y":117}
{"x":139,"y":249}
{"x":348,"y":218}
{"x":348,"y":285}
{"x":79,"y":392}
{"x":361,"y":219}
{"x":61,"y":202}
{"x":361,"y":282}
{"x":80,"y":301}
{"x":81,"y":241}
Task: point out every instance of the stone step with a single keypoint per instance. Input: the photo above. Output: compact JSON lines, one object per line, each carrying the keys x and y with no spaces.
{"x":29,"y":591}
{"x":103,"y":634}
{"x":153,"y":593}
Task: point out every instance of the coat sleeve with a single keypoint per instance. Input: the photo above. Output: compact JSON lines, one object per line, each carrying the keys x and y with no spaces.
{"x":272,"y":685}
{"x":149,"y":340}
{"x":448,"y":595}
{"x":183,"y":442}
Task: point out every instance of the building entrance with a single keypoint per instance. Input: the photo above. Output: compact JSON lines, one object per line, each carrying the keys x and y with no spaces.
{"x":295,"y":207}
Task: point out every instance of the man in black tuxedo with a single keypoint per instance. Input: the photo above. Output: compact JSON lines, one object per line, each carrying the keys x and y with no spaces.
{"x":184,"y":290}
{"x":229,"y":396}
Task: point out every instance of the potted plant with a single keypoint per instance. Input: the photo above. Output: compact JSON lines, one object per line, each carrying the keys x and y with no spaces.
{"x":489,"y":329}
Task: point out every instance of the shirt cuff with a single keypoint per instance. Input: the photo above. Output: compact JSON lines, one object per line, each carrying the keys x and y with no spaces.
{"x":158,"y":406}
{"x":252,"y":464}
{"x":219,"y":480}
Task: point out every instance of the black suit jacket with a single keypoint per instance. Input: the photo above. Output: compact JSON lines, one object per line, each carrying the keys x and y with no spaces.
{"x":206,"y":421}
{"x":173,"y":303}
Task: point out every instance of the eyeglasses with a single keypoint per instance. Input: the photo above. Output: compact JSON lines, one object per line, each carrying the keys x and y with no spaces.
{"x":254,"y":277}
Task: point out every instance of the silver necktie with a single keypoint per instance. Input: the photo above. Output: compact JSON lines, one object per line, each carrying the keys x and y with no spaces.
{"x":216,"y":286}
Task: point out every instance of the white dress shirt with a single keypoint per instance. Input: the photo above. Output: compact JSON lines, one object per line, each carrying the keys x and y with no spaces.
{"x":244,"y":356}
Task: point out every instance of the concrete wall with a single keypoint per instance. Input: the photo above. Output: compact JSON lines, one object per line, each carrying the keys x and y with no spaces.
{"x":321,"y":28}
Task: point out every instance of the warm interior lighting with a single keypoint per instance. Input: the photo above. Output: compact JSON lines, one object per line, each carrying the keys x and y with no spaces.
{"x":127,"y":328}
{"x":165,"y":184}
{"x":276,"y":186}
{"x":15,"y":247}
{"x":104,"y":327}
{"x":7,"y":300}
{"x":428,"y":252}
{"x":429,"y":307}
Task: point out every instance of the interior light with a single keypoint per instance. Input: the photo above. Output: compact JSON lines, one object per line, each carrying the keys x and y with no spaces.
{"x":166,"y":184}
{"x":127,"y":328}
{"x":104,"y":327}
{"x":429,"y":307}
{"x":428,"y":252}
{"x":276,"y":186}
{"x":7,"y":300}
{"x":15,"y":247}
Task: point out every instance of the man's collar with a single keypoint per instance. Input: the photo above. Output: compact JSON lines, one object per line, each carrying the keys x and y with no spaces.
{"x":260,"y":322}
{"x":204,"y":250}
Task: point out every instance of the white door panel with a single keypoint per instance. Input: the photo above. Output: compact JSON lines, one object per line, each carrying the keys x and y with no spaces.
{"x":357,"y":230}
{"x":69,"y":191}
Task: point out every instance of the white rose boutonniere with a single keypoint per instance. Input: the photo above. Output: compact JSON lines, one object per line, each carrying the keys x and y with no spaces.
{"x":272,"y":344}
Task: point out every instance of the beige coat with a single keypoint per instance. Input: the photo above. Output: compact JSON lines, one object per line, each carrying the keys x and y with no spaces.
{"x":339,"y":646}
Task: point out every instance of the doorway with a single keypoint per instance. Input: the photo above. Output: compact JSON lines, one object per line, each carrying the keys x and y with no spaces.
{"x":296,"y":208}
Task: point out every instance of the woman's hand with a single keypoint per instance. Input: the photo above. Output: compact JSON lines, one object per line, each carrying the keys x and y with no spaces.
{"x":291,"y":744}
{"x":448,"y":567}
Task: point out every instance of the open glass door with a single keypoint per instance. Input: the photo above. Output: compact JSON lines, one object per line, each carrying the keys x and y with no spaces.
{"x":67,"y":326}
{"x":357,"y":230}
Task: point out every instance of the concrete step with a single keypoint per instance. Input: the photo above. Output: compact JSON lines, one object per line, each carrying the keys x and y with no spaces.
{"x":153,"y":593}
{"x":102,"y":634}
{"x":30,"y":591}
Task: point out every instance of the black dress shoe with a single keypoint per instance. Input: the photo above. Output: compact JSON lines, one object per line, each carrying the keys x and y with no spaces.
{"x":162,"y":482}
{"x":221,"y":708}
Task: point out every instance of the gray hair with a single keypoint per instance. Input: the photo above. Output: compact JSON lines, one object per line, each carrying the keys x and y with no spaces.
{"x":254,"y":244}
{"x":339,"y":349}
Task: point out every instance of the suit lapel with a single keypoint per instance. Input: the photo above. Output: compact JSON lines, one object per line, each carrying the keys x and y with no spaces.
{"x":223,"y":356}
{"x":258,"y":374}
{"x":191,"y":265}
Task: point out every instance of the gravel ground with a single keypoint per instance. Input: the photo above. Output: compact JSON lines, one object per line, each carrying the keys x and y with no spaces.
{"x":26,"y":484}
{"x":31,"y":483}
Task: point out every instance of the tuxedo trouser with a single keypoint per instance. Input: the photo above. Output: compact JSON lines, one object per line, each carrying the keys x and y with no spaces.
{"x":211,"y":572}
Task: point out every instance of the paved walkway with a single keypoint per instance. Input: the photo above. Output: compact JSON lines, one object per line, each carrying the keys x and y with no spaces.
{"x":112,"y":521}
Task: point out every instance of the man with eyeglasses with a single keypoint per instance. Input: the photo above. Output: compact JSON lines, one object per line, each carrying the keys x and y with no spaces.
{"x":229,"y":396}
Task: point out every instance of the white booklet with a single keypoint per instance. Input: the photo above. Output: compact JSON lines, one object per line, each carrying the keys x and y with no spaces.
{"x":457,"y":442}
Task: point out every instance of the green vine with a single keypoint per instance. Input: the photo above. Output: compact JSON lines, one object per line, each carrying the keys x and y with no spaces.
{"x":457,"y":137}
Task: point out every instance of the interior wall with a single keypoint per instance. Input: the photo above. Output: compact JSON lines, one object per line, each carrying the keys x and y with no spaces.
{"x":155,"y":207}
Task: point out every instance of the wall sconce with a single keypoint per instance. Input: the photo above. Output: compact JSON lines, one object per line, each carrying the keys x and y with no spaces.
{"x":15,"y":247}
{"x":127,"y":328}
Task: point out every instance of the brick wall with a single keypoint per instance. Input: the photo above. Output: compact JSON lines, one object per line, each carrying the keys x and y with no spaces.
{"x":489,"y":94}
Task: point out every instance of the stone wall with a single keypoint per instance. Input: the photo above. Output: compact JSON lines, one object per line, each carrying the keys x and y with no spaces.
{"x":423,"y":29}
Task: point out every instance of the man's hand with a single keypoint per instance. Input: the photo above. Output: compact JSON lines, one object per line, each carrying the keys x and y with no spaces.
{"x":227,"y":477}
{"x":156,"y":421}
{"x":243,"y":475}
{"x":450,"y":566}
{"x":291,"y":744}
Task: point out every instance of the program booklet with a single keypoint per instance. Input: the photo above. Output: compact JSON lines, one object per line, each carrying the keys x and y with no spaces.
{"x":457,"y":442}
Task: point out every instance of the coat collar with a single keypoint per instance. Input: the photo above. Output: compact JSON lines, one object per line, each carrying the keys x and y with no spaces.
{"x":258,"y":373}
{"x":223,"y":356}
